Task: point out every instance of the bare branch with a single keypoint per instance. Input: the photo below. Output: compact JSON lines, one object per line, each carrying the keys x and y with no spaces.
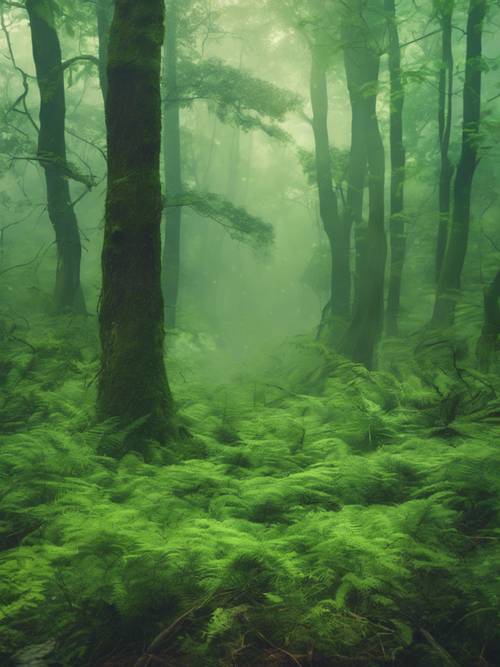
{"x":25,"y":76}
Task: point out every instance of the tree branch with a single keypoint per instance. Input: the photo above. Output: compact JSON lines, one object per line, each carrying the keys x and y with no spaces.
{"x":22,"y":98}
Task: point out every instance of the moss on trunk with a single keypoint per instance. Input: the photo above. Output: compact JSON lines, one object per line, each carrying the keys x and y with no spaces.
{"x":133,"y":383}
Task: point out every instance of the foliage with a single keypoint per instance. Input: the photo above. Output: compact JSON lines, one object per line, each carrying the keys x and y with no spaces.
{"x":240,"y":225}
{"x":323,"y":513}
{"x":339,"y":163}
{"x":238,"y":97}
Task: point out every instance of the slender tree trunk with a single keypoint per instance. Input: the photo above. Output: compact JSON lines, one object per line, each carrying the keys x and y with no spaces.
{"x":398,"y":165}
{"x":355,"y":69}
{"x":487,"y":343}
{"x":363,"y":334}
{"x":449,"y":281}
{"x":52,"y":155}
{"x":173,"y":173}
{"x":104,"y":12}
{"x":132,"y":382}
{"x":353,"y":213}
{"x":445,"y":115}
{"x":336,"y":231}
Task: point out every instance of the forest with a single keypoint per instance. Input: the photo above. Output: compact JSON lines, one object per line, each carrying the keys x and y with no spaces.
{"x":249,"y":333}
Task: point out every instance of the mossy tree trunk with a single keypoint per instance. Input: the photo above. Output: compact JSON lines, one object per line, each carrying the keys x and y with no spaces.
{"x":336,"y":227}
{"x":445,"y":117}
{"x":398,"y":165}
{"x":132,"y":382}
{"x":52,"y":155}
{"x":448,"y":288}
{"x":365,"y":328}
{"x":173,"y":169}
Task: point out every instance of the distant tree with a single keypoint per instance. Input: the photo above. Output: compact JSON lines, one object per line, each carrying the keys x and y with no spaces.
{"x":132,"y":382}
{"x":52,"y":154}
{"x":444,"y":10}
{"x":337,"y":231}
{"x":362,"y":61}
{"x":317,"y":25}
{"x":450,"y":276}
{"x":398,"y":166}
{"x":238,"y":99}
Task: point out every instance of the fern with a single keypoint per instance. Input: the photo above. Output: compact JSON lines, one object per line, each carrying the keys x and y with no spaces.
{"x":320,"y":509}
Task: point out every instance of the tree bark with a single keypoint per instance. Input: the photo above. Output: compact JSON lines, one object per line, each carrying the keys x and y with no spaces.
{"x":363,"y":334}
{"x":445,"y":116}
{"x":52,"y":155}
{"x":173,"y":170}
{"x":132,"y":383}
{"x":104,"y":12}
{"x":398,"y":166}
{"x":487,"y":343}
{"x":337,"y":231}
{"x":449,"y":281}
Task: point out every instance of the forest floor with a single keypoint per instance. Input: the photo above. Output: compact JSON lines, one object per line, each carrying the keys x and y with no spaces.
{"x":318,"y":514}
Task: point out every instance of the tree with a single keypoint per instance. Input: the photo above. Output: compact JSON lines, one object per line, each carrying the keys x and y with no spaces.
{"x":238,"y":99}
{"x":444,"y":10}
{"x":52,"y":155}
{"x":456,"y":250}
{"x":132,"y":382}
{"x":398,"y":165}
{"x":317,"y":26}
{"x":362,"y":61}
{"x":336,"y":229}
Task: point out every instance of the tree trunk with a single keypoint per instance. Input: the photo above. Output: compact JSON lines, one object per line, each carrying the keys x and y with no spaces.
{"x":52,"y":155}
{"x":104,"y":12}
{"x":359,"y":343}
{"x":173,"y":174}
{"x":338,"y":236}
{"x":132,"y":382}
{"x":356,"y":177}
{"x":449,"y":281}
{"x":487,"y":343}
{"x":398,"y":165}
{"x":445,"y":116}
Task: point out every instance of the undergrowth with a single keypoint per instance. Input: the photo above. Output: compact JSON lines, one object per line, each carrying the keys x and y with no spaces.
{"x":318,"y":515}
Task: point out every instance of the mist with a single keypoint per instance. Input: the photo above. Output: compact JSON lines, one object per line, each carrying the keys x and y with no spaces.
{"x":249,"y":320}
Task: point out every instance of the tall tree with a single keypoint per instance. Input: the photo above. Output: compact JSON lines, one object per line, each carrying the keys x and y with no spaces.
{"x":362,"y":61}
{"x":398,"y":165}
{"x":356,"y":175}
{"x":444,"y":10}
{"x":337,"y":231}
{"x":132,"y":382}
{"x":316,"y":23}
{"x":450,"y":277}
{"x":173,"y":168}
{"x":52,"y":154}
